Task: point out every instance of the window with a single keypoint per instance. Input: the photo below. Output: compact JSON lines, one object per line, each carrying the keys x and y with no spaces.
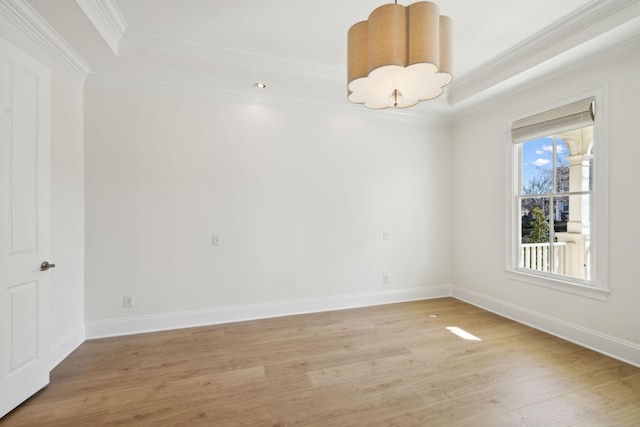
{"x":555,"y":239}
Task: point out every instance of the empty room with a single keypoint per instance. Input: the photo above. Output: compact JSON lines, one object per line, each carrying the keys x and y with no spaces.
{"x":356,"y":213}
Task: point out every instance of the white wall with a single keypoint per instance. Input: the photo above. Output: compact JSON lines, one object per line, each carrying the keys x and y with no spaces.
{"x":67,"y":199}
{"x":299,"y":194}
{"x":479,"y":216}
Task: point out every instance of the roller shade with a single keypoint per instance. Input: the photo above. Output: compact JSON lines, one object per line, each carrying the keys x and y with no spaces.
{"x":573,"y":116}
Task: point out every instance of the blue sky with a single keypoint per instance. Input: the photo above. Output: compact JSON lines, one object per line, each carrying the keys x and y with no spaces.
{"x":538,"y":154}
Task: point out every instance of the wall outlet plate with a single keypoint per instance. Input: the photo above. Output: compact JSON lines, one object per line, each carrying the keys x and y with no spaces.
{"x":127,"y":301}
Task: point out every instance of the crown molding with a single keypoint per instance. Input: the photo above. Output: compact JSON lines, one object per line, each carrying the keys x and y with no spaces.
{"x":252,"y":60}
{"x":592,"y":19}
{"x":621,"y":48}
{"x":247,"y":98}
{"x":107,"y":20}
{"x":222,"y":53}
{"x":33,"y":25}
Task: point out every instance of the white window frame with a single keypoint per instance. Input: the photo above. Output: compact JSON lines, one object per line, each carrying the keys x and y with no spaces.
{"x":597,"y":287}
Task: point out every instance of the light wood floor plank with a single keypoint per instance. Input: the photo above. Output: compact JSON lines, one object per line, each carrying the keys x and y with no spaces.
{"x":390,"y":365}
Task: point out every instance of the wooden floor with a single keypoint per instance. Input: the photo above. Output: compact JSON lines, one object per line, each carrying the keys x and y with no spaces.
{"x":392,"y":365}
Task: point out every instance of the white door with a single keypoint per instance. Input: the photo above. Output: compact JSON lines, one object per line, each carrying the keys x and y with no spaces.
{"x":24,"y":226}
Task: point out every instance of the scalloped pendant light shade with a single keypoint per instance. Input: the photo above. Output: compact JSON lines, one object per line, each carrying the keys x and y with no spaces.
{"x":399,"y":56}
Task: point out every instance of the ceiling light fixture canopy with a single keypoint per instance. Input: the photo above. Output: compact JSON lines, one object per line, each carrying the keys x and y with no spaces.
{"x":399,"y":56}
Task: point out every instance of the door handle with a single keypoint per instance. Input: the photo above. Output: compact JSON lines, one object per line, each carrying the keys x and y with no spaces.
{"x":45,"y":266}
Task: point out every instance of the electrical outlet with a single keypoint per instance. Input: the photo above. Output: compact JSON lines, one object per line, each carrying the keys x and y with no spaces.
{"x":385,"y":235}
{"x":385,"y":279}
{"x":127,"y":301}
{"x":216,"y":240}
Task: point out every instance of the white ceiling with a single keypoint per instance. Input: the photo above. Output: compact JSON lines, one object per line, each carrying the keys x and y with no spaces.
{"x":295,"y":46}
{"x":316,"y":31}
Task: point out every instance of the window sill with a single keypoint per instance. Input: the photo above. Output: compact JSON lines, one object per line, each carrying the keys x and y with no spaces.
{"x":560,"y":285}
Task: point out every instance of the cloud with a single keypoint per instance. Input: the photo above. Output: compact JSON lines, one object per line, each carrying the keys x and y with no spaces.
{"x":549,"y":148}
{"x":539,"y":152}
{"x":542,"y":162}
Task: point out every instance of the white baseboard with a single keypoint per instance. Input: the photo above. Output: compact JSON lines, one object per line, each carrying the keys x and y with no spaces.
{"x":64,"y":347}
{"x":605,"y":344}
{"x":161,"y":322}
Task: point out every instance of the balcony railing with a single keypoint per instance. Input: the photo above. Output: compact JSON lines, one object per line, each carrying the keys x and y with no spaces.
{"x":536,"y":256}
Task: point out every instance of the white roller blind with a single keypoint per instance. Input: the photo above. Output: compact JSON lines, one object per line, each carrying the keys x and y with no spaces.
{"x":572,"y":116}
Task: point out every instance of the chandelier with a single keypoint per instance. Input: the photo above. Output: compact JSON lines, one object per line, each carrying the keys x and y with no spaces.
{"x":399,"y":56}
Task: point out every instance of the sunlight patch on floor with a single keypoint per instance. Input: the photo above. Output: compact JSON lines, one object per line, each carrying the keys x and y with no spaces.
{"x":462,"y":333}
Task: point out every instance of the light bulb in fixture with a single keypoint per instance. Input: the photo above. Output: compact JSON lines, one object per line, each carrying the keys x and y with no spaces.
{"x":396,"y":97}
{"x":260,"y":85}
